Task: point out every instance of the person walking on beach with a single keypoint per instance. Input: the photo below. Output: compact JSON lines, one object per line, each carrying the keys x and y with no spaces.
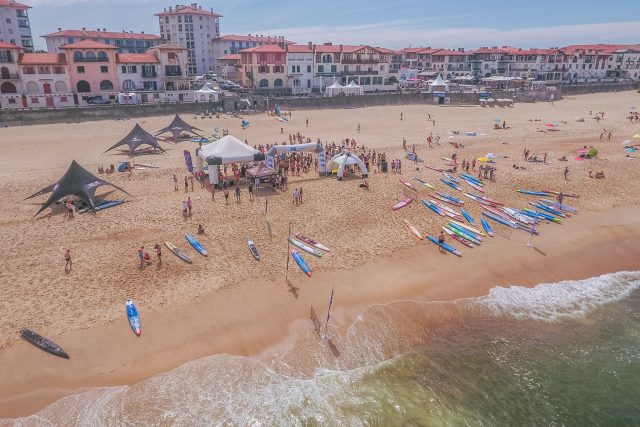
{"x":158,"y":249}
{"x":307,"y":122}
{"x":191,"y":180}
{"x":67,"y":261}
{"x":560,"y":197}
{"x":186,"y":184}
{"x":69,"y":207}
{"x":141,"y":256}
{"x":237,"y":193}
{"x":250,"y":192}
{"x":184,"y":209}
{"x":175,"y":183}
{"x":300,"y":195}
{"x":400,"y":115}
{"x":189,"y":206}
{"x":226,"y":196}
{"x":441,"y":242}
{"x":473,"y":165}
{"x":566,"y":173}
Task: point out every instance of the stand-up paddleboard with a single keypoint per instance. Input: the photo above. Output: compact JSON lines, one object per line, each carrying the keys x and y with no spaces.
{"x":402,"y":204}
{"x":413,"y":229}
{"x":310,"y":241}
{"x":408,"y":184}
{"x":486,"y":227}
{"x":500,"y":220}
{"x":474,"y":185}
{"x":442,"y":199}
{"x":432,"y":207}
{"x":468,"y":217}
{"x":459,"y":233}
{"x":301,"y":262}
{"x":549,"y":209}
{"x":468,"y":227}
{"x":514,"y":214}
{"x":469,"y":235}
{"x":423,"y":182}
{"x":491,"y":201}
{"x":534,"y":193}
{"x":446,"y":196}
{"x":253,"y":249}
{"x":434,"y":168}
{"x":451,"y":213}
{"x":104,"y":205}
{"x":445,"y":246}
{"x":196,"y":245}
{"x":446,"y":159}
{"x":539,"y":214}
{"x":451,"y":184}
{"x":557,"y":205}
{"x":308,"y":249}
{"x":414,"y":157}
{"x":471,"y":178}
{"x":457,"y":238}
{"x":132,"y":315}
{"x":451,"y":177}
{"x":178,"y":252}
{"x":557,"y":193}
{"x":43,"y":343}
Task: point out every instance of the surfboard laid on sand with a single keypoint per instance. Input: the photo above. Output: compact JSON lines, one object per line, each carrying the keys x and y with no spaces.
{"x":468,"y":217}
{"x":402,"y":204}
{"x":43,"y":343}
{"x":178,"y":252}
{"x":132,"y":316}
{"x":408,"y":184}
{"x":308,"y":249}
{"x":253,"y":249}
{"x":104,"y":205}
{"x":486,"y":227}
{"x":423,"y":182}
{"x":310,"y":241}
{"x":301,"y":262}
{"x":413,"y":229}
{"x":445,"y":246}
{"x":196,"y":244}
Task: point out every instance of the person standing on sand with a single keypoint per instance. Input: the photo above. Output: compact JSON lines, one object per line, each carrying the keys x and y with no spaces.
{"x":300,"y":195}
{"x":307,"y":122}
{"x":69,"y":207}
{"x":158,"y":249}
{"x":186,"y":184}
{"x":560,"y":197}
{"x":237,"y":193}
{"x":441,"y":242}
{"x":189,"y":206}
{"x":191,"y":180}
{"x":358,"y":128}
{"x":141,"y":256}
{"x":175,"y":183}
{"x":400,"y":115}
{"x":226,"y":196}
{"x":67,"y":261}
{"x":566,"y":173}
{"x":250,"y":192}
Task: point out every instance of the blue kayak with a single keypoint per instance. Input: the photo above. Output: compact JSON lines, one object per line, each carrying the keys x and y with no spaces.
{"x":471,"y":178}
{"x":467,"y":216}
{"x":132,"y":315}
{"x":446,"y":196}
{"x":432,"y":207}
{"x":445,"y":246}
{"x":196,"y":245}
{"x":301,"y":262}
{"x":486,"y":227}
{"x":499,"y":220}
{"x":450,"y":184}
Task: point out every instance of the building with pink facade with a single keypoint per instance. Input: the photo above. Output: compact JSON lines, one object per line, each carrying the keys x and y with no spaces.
{"x":10,"y":83}
{"x":92,"y":70}
{"x":124,"y":41}
{"x":45,"y":80}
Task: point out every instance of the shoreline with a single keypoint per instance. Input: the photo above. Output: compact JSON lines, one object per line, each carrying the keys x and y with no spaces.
{"x":253,"y":320}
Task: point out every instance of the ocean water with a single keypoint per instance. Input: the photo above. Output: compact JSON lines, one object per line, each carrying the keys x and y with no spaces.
{"x":564,"y":353}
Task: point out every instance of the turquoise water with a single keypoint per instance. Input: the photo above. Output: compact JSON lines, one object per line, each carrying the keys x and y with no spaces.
{"x":565,"y":353}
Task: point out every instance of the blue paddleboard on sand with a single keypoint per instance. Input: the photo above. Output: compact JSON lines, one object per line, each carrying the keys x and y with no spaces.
{"x":196,"y":245}
{"x":445,"y":246}
{"x":467,"y":216}
{"x":301,"y":262}
{"x":132,"y":315}
{"x":486,"y":227}
{"x":104,"y":205}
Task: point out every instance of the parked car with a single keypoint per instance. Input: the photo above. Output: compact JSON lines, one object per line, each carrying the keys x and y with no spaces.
{"x":98,"y":100}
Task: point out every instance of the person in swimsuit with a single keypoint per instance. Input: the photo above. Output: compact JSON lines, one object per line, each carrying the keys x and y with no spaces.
{"x":158,"y":249}
{"x":67,"y":259}
{"x":441,"y":242}
{"x":141,"y":255}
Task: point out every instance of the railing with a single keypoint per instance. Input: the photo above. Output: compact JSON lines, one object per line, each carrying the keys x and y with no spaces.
{"x":9,"y":76}
{"x":359,"y":73}
{"x":360,"y":61}
{"x":90,"y":59}
{"x":149,"y":74}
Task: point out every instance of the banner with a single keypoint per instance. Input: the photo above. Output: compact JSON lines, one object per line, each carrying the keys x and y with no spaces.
{"x":187,"y":160}
{"x":271,"y":162}
{"x":322,"y":163}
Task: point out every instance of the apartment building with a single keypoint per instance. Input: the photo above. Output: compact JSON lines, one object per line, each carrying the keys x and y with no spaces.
{"x":124,"y":42}
{"x":14,"y":24}
{"x":299,"y":68}
{"x":231,"y":44}
{"x":45,"y":80}
{"x":263,"y":68}
{"x":194,"y":28}
{"x":10,"y":81}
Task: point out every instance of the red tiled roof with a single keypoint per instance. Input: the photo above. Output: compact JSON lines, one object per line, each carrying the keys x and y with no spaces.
{"x":42,"y":59}
{"x":5,"y":45}
{"x":102,"y":34}
{"x":87,"y":44}
{"x":253,"y":38}
{"x":299,"y":48}
{"x":267,"y":48}
{"x":593,"y":49}
{"x":15,"y":5}
{"x":536,"y":52}
{"x":429,"y":51}
{"x":411,"y":49}
{"x":489,"y":50}
{"x":328,"y":48}
{"x":187,"y":10}
{"x":230,"y":57}
{"x":449,"y":52}
{"x":136,"y":58}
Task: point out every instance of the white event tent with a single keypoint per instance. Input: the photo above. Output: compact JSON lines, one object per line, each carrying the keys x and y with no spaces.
{"x":205,"y":94}
{"x":439,"y":85}
{"x":354,"y":88}
{"x":228,"y":149}
{"x":335,"y":89}
{"x":347,"y":159}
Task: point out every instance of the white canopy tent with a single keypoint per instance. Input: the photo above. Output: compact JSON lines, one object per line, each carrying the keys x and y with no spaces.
{"x":354,"y":88}
{"x":438,"y":85}
{"x":335,"y":89}
{"x":205,"y":94}
{"x":309,"y":147}
{"x":228,"y":149}
{"x":347,"y":159}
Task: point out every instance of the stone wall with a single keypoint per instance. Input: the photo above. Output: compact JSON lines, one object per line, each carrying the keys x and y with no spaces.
{"x":583,"y":89}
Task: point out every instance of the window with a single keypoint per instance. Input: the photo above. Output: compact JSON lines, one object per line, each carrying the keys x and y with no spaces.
{"x":308,"y":68}
{"x":296,"y":82}
{"x":29,"y":70}
{"x":104,"y":69}
{"x":326,"y":59}
{"x":123,"y":69}
{"x":44,"y":70}
{"x":334,"y":68}
{"x":63,"y":99}
{"x":132,"y":69}
{"x":321,"y":68}
{"x":179,"y":27}
{"x":128,"y":85}
{"x":106,"y":85}
{"x":102,"y":56}
{"x":8,"y":20}
{"x":83,"y":87}
{"x":277,"y":83}
{"x":58,"y":70}
{"x":80,"y":69}
{"x":90,"y":56}
{"x":264,"y":83}
{"x":78,"y":56}
{"x":150,"y":85}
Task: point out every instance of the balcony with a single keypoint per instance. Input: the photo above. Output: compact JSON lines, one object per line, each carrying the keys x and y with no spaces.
{"x":150,"y":74}
{"x":359,"y":73}
{"x":172,"y":71}
{"x":359,"y":61}
{"x":90,"y":60}
{"x":9,"y":76}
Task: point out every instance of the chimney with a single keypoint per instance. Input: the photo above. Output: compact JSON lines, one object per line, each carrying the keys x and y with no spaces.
{"x":310,"y":45}
{"x":170,"y":9}
{"x":141,"y":32}
{"x":59,"y":29}
{"x":98,"y":30}
{"x":104,"y":30}
{"x":84,"y":29}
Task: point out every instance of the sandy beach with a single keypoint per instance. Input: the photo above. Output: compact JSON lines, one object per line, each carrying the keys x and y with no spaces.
{"x":230,"y":304}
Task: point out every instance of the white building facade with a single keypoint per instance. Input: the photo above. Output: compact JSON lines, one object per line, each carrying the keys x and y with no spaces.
{"x":14,"y":24}
{"x":231,"y":44}
{"x":193,"y":28}
{"x":45,"y":81}
{"x":299,"y":68}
